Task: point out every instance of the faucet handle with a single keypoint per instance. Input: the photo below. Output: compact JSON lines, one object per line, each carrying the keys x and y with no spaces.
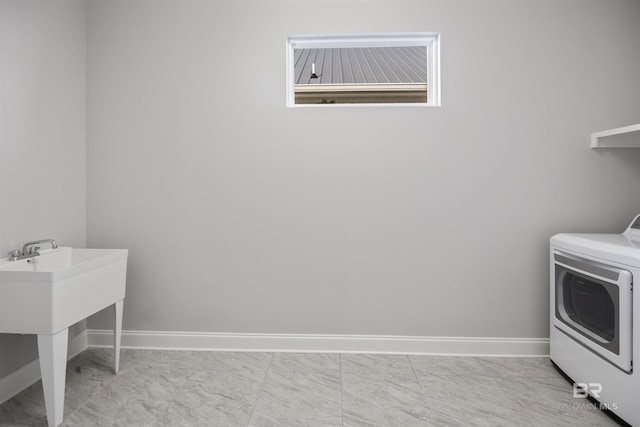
{"x":15,"y":253}
{"x":33,"y":249}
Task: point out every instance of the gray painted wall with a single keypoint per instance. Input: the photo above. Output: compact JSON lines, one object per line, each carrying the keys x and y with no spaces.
{"x":244,"y":216}
{"x":42,"y":134}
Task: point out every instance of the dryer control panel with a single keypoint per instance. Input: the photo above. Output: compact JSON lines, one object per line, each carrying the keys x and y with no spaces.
{"x":633,"y":230}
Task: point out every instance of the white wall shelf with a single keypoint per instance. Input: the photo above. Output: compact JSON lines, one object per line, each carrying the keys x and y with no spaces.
{"x":624,"y":137}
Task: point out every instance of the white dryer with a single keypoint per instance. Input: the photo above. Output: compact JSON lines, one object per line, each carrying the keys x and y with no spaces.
{"x":595,"y":337}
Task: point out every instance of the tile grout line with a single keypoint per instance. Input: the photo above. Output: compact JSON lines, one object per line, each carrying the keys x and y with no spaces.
{"x":424,"y":393}
{"x":341,"y":393}
{"x":261,"y":388}
{"x":422,"y":387}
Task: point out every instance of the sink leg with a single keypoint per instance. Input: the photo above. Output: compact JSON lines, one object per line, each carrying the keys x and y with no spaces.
{"x":117,"y":335}
{"x":52,"y":351}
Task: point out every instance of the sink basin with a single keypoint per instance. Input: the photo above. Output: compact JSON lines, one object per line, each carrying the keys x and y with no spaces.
{"x":46,"y":294}
{"x":50,"y":292}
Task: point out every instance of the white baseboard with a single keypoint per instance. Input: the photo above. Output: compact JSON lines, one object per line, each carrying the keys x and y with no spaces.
{"x":452,"y":346}
{"x":19,"y":380}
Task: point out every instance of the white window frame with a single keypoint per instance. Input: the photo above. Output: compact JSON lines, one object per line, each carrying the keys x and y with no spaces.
{"x":431,"y":40}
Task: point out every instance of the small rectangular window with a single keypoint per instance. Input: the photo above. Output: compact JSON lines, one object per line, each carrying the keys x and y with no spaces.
{"x":363,"y":69}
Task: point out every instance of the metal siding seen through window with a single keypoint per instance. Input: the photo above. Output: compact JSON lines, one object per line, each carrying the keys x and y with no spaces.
{"x":364,"y":69}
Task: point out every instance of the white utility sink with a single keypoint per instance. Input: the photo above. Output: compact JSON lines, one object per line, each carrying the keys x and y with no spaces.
{"x":46,"y":294}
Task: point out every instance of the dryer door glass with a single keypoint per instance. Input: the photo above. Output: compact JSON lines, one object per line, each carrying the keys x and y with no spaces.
{"x":591,"y":305}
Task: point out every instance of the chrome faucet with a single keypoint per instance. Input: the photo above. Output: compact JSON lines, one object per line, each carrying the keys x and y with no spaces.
{"x":54,"y":245}
{"x":29,"y":250}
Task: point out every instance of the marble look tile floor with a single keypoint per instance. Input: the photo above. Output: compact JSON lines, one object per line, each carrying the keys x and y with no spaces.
{"x":178,"y":388}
